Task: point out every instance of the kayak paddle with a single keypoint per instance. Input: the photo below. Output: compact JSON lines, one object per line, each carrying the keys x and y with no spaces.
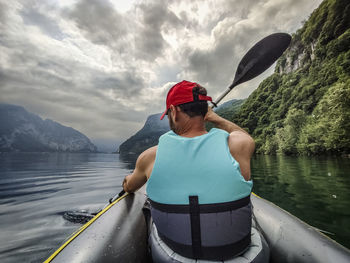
{"x":258,"y":59}
{"x":84,"y":216}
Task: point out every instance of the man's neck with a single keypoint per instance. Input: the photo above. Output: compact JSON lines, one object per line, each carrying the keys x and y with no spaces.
{"x":192,"y":127}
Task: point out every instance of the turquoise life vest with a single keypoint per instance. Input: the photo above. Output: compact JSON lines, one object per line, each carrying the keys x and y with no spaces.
{"x":202,"y":166}
{"x":200,"y":203}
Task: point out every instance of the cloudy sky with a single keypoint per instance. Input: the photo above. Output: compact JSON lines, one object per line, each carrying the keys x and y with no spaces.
{"x":103,"y":66}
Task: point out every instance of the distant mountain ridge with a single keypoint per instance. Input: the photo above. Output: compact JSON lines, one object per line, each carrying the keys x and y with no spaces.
{"x":229,"y":104}
{"x":23,"y":131}
{"x":146,"y":137}
{"x":229,"y":108}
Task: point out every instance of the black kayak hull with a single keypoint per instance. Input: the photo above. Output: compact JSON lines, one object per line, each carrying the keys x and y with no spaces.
{"x":119,"y":234}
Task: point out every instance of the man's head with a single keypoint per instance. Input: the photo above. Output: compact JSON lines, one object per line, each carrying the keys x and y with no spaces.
{"x":188,"y":97}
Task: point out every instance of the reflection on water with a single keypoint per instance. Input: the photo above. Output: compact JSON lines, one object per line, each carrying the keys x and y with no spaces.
{"x":314,"y":189}
{"x":129,"y":160}
{"x":36,"y":189}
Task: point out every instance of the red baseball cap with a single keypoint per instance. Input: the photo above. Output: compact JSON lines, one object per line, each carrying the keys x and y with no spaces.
{"x":182,"y":93}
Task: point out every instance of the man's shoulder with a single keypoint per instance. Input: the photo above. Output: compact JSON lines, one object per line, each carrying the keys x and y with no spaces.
{"x":151,"y":150}
{"x":218,"y":131}
{"x":148,"y":155}
{"x":166,"y":135}
{"x":146,"y":160}
{"x":239,"y":141}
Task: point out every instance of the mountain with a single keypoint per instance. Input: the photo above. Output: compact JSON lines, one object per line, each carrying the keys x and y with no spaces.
{"x":23,"y":131}
{"x":146,"y":137}
{"x":304,"y":107}
{"x":105,"y":145}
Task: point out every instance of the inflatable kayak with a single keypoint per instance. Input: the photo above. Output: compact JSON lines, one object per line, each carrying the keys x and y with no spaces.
{"x":119,"y":234}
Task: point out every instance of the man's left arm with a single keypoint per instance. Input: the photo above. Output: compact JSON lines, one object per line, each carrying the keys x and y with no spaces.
{"x":143,"y":169}
{"x":242,"y":147}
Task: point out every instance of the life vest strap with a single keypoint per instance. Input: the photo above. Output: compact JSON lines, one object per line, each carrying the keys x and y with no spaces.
{"x":203,"y":208}
{"x":195,"y":226}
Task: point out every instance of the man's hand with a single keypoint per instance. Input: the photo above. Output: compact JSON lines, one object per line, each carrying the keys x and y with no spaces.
{"x":222,"y":123}
{"x":142,"y":172}
{"x":125,"y":183}
{"x":211,"y":116}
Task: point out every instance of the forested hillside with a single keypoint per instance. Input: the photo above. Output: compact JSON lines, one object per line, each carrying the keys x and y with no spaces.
{"x":304,"y":107}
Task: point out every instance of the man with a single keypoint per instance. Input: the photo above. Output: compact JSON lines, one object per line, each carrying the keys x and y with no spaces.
{"x":198,"y":182}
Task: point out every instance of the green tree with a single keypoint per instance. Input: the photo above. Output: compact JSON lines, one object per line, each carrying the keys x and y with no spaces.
{"x":328,"y":129}
{"x":288,"y":136}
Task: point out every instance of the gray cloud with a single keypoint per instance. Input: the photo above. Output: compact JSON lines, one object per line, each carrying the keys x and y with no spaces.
{"x":124,"y":84}
{"x":233,"y":36}
{"x":3,"y":9}
{"x":84,"y":101}
{"x":84,"y":108}
{"x":155,"y":17}
{"x":187,"y":21}
{"x":215,"y":67}
{"x":32,"y":16}
{"x":103,"y":72}
{"x":239,"y":8}
{"x":100,"y":22}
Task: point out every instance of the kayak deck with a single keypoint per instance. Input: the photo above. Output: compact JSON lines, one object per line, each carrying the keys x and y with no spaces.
{"x":119,"y":232}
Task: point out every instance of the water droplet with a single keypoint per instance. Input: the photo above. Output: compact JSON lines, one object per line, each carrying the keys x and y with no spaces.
{"x":329,"y":174}
{"x":334,"y":196}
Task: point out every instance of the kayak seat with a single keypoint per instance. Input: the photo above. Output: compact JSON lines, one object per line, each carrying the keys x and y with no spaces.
{"x":257,"y":252}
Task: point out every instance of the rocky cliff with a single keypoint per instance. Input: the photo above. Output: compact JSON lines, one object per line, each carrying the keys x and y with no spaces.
{"x":21,"y":130}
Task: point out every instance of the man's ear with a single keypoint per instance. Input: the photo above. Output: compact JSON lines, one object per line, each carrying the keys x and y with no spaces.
{"x":175,"y":112}
{"x":172,"y":109}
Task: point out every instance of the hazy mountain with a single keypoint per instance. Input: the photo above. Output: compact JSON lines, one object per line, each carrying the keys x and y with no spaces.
{"x":229,"y":104}
{"x":146,"y":137}
{"x":106,"y":145}
{"x":21,"y":130}
{"x":229,"y":108}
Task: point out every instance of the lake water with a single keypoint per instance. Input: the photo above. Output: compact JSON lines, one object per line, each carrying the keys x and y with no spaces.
{"x":37,"y":188}
{"x":314,"y":189}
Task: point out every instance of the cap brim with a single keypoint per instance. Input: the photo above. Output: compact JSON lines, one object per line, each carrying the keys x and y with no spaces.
{"x":163,"y":114}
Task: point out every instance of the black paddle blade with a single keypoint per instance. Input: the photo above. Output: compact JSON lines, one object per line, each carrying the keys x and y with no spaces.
{"x":261,"y":56}
{"x":80,"y":217}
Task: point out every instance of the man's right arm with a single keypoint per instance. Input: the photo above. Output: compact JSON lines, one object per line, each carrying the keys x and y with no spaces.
{"x":142,"y":172}
{"x":241,"y":144}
